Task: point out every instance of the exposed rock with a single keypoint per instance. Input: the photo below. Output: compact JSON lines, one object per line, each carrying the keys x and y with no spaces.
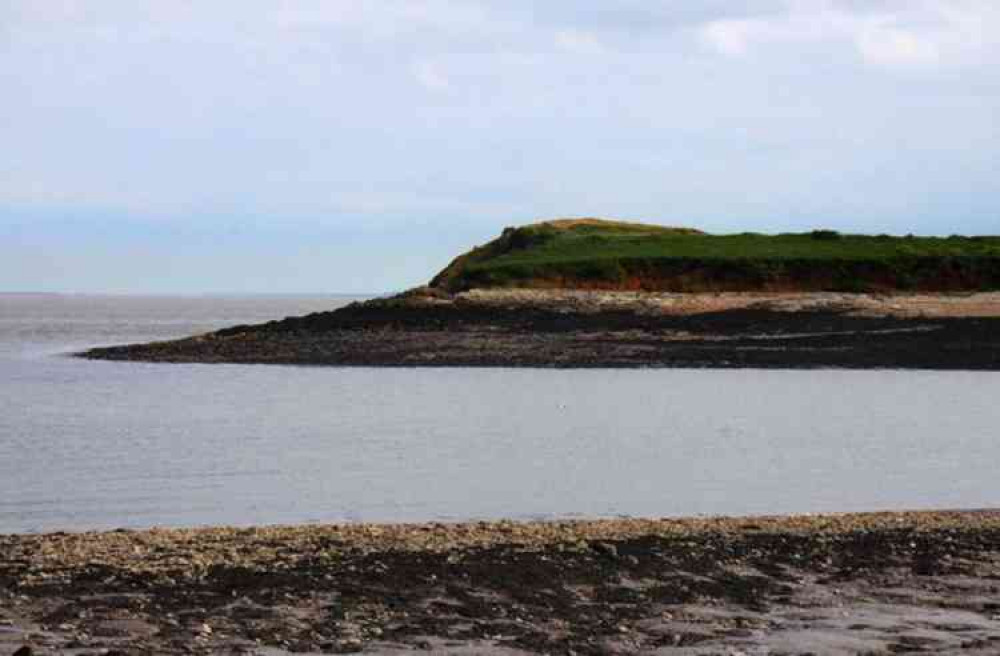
{"x":858,"y":583}
{"x":613,"y":329}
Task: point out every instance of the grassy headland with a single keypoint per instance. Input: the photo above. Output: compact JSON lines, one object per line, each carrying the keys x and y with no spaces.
{"x":598,"y":254}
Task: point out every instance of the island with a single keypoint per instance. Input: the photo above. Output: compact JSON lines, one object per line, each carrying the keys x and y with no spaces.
{"x":598,"y":293}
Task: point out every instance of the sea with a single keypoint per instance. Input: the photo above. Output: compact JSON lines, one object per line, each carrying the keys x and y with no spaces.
{"x":88,"y":445}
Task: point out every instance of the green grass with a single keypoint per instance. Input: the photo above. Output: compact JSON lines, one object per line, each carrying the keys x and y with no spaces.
{"x":596,"y":251}
{"x":570,"y":246}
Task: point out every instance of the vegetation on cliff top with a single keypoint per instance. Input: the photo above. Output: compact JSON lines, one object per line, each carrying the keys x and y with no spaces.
{"x":598,"y":254}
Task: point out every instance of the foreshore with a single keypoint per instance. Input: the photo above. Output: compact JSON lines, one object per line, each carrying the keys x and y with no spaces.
{"x":852,"y":583}
{"x":581,"y":329}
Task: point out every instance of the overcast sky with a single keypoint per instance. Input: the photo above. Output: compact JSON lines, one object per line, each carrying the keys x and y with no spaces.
{"x":353,"y":146}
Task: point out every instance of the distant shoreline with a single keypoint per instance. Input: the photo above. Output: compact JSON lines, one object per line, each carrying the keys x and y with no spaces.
{"x":291,"y":295}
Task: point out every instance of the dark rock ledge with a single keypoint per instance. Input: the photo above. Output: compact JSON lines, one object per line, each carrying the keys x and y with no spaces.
{"x":594,"y":329}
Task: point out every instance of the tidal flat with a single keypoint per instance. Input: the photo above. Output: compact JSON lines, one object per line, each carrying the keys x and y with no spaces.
{"x":819,"y":584}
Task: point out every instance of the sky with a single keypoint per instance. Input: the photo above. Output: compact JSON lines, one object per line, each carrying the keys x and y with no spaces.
{"x":353,"y":146}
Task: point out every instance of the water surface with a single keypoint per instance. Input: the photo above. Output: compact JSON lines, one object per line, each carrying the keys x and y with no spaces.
{"x":87,"y":444}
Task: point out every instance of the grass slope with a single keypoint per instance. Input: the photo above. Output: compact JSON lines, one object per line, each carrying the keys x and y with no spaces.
{"x":592,"y":253}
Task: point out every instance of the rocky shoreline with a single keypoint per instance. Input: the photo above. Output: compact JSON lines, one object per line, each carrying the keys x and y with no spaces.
{"x":877,"y":583}
{"x":552,"y":328}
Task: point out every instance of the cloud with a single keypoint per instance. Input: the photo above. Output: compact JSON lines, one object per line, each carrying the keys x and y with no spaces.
{"x":322,"y":107}
{"x":911,"y":34}
{"x":730,"y":37}
{"x":430,"y":76}
{"x":579,"y":42}
{"x":893,"y":46}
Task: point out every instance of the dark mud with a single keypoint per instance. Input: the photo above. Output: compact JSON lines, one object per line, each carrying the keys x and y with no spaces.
{"x":843,"y":585}
{"x":400,"y":333}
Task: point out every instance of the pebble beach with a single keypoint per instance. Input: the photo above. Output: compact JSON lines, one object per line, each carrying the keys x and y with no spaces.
{"x":820,"y":584}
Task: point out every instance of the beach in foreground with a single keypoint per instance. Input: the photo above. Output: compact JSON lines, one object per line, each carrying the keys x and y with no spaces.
{"x":858,"y":583}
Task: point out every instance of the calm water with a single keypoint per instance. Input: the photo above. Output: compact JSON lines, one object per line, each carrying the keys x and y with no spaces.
{"x":103,"y":445}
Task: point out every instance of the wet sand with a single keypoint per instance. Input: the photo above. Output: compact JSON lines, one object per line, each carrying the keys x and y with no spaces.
{"x":877,"y":583}
{"x":579,"y":329}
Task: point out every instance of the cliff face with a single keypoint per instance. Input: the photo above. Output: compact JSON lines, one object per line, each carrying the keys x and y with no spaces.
{"x":609,"y":255}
